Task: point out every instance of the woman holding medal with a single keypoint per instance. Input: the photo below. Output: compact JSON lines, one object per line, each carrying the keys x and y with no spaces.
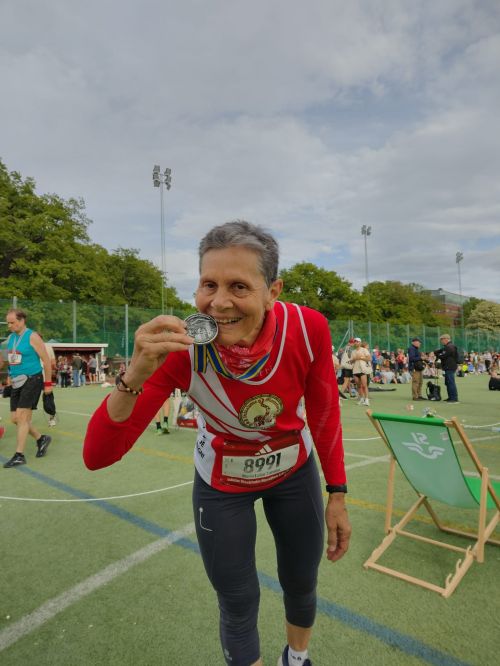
{"x":30,"y":373}
{"x":250,"y":379}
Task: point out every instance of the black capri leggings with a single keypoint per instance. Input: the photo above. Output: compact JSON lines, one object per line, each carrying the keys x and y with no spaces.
{"x":226,"y":528}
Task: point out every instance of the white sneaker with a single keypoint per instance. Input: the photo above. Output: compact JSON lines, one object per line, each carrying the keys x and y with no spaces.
{"x":366,"y":402}
{"x":52,"y":421}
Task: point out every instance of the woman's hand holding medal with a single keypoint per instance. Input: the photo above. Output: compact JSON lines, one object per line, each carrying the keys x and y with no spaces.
{"x":152,"y":342}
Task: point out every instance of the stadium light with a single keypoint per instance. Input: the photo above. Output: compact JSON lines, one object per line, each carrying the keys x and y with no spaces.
{"x":458,"y":258}
{"x":162,"y":180}
{"x":366,"y":231}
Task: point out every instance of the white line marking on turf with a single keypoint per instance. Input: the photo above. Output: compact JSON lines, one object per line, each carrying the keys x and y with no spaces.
{"x":363,"y":463}
{"x":495,"y":477}
{"x":56,"y":605}
{"x":97,"y":499}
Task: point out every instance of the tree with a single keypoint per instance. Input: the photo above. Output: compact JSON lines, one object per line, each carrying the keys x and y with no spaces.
{"x":46,"y":254}
{"x":485,"y":316}
{"x":39,"y":238}
{"x":323,"y":290}
{"x":469,"y":305}
{"x":401,"y":303}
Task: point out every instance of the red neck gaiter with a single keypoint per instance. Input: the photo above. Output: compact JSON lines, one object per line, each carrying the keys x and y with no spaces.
{"x":238,"y":359}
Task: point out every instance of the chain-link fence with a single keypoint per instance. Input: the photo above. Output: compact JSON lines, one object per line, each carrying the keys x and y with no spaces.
{"x":115,"y":325}
{"x":390,"y":337}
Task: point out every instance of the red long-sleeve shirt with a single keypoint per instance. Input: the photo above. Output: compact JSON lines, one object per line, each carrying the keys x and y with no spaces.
{"x":252,"y":433}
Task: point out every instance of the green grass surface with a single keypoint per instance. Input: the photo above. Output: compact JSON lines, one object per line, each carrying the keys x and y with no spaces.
{"x":163,"y":611}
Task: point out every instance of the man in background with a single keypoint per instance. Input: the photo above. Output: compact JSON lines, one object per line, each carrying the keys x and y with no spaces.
{"x":76,"y":369}
{"x":448,"y":355}
{"x":416,"y":367}
{"x":30,"y":375}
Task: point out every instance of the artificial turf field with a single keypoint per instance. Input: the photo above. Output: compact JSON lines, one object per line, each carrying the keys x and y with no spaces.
{"x":103,"y":567}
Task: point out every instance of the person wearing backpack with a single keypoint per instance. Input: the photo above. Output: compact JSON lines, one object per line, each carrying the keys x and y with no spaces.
{"x":448,"y":355}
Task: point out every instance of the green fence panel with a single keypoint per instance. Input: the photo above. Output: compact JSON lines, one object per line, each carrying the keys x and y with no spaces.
{"x":85,"y":322}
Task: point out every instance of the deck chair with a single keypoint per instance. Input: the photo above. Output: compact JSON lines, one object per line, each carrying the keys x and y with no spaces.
{"x":425,"y":452}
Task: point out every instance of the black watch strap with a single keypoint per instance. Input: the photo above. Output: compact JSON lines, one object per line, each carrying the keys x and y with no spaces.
{"x":336,"y":489}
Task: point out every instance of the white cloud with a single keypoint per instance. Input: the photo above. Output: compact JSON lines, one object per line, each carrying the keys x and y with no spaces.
{"x":311,"y":119}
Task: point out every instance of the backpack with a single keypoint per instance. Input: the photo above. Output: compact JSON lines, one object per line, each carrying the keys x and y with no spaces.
{"x":433,"y":391}
{"x":493,"y":385}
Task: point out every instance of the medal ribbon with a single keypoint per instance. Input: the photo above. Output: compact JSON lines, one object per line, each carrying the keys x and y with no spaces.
{"x":205,"y":354}
{"x":236,"y":362}
{"x":215,"y":360}
{"x":17,"y":340}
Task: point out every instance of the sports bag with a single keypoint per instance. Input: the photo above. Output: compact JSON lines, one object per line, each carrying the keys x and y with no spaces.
{"x":345,"y":361}
{"x":49,"y":405}
{"x":433,"y":391}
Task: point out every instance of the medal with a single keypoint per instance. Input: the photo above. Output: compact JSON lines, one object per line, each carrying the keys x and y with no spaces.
{"x":202,"y":328}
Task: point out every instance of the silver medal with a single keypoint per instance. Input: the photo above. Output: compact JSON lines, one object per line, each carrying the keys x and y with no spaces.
{"x":202,"y":328}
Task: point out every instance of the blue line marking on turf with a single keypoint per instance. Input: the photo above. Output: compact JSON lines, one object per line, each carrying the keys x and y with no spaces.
{"x":403,"y":642}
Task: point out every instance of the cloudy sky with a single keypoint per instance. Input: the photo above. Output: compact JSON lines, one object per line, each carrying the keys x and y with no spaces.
{"x":310,"y":118}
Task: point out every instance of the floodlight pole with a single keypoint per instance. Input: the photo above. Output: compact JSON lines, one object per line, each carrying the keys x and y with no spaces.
{"x":366,"y":231}
{"x":458,"y":258}
{"x":160,"y":180}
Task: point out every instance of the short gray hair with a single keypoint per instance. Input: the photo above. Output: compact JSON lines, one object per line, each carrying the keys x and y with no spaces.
{"x":239,"y":233}
{"x":19,"y":314}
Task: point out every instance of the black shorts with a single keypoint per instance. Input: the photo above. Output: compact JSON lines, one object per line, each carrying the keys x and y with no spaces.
{"x":28,"y":395}
{"x":346,"y":372}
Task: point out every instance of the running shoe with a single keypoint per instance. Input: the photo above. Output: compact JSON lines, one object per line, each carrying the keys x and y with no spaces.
{"x":283,"y":660}
{"x":52,"y":421}
{"x":17,"y":459}
{"x":42,"y":445}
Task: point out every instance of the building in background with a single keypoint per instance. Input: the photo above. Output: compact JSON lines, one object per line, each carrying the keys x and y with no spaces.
{"x":450,"y":304}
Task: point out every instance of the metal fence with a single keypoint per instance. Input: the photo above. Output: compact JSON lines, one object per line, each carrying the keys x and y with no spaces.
{"x":390,"y":337}
{"x":115,"y":325}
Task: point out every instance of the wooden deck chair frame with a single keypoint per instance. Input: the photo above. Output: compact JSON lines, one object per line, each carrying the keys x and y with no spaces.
{"x":479,"y":493}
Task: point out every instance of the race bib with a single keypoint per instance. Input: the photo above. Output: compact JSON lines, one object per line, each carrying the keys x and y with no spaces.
{"x":263,"y":466}
{"x":14,"y":357}
{"x":243,"y":465}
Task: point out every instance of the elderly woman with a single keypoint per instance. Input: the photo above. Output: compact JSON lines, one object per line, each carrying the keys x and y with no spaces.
{"x":269,"y":363}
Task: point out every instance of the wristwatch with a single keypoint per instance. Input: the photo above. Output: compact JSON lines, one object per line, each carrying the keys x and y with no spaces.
{"x":336,"y":489}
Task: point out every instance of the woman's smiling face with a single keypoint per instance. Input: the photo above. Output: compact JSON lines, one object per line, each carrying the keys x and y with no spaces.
{"x":232,"y":289}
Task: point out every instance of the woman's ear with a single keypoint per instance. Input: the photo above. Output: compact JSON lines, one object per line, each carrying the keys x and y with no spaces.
{"x":274,"y":291}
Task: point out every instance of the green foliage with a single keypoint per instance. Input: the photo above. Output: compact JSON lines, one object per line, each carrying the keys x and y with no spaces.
{"x":324,"y":290}
{"x":402,"y":303}
{"x":469,"y":306}
{"x":306,"y":284}
{"x":485,"y":316}
{"x":46,"y":254}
